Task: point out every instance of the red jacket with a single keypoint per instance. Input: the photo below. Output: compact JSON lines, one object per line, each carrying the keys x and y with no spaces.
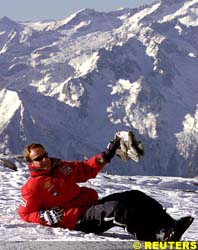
{"x":59,"y":189}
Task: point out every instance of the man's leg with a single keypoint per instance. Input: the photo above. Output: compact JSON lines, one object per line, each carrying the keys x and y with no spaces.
{"x":140,"y":214}
{"x":98,"y":218}
{"x":137,"y":212}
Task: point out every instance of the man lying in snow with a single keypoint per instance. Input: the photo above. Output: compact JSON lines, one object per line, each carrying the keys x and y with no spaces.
{"x":52,"y":197}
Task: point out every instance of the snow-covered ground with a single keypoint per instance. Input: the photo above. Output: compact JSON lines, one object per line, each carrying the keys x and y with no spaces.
{"x":130,"y":69}
{"x":178,"y":195}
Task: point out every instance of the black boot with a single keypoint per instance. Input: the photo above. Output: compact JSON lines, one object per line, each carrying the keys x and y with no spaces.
{"x":181,"y":226}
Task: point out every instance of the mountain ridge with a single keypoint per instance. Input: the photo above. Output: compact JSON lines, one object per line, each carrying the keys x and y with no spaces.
{"x":77,"y":81}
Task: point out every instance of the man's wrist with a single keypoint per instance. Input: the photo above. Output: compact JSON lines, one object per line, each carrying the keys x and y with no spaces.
{"x":101,"y":159}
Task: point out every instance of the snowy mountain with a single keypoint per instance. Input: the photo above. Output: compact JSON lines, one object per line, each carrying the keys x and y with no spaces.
{"x":71,"y":84}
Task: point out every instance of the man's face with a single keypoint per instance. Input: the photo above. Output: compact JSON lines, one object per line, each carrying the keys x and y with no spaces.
{"x":39,"y":158}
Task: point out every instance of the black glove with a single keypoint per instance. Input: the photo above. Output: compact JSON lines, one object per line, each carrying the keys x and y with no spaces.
{"x":52,"y":216}
{"x":109,"y":153}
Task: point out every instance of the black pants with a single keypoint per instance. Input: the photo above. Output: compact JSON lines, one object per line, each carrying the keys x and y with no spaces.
{"x":137,"y":212}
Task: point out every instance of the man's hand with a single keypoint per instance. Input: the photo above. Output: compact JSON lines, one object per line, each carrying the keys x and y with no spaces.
{"x":113,"y":145}
{"x":52,"y":216}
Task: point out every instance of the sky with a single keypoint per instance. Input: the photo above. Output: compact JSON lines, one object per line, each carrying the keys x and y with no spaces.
{"x":40,"y":10}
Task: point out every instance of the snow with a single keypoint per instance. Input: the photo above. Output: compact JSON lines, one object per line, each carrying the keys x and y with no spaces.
{"x":84,"y":63}
{"x":7,"y":97}
{"x":80,"y":79}
{"x":178,"y":195}
{"x":188,"y":15}
{"x":129,"y":93}
{"x":190,"y":127}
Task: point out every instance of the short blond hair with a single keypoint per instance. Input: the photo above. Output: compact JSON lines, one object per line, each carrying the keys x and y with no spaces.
{"x":27,"y":150}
